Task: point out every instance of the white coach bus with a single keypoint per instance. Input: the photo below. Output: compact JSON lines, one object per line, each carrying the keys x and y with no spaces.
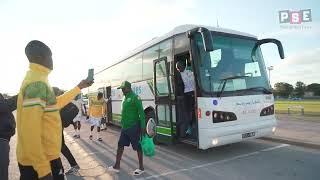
{"x":232,"y":95}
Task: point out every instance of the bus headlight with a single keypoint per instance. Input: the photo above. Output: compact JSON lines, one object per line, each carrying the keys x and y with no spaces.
{"x":221,"y":116}
{"x":274,"y":129}
{"x":267,"y":111}
{"x":215,"y":141}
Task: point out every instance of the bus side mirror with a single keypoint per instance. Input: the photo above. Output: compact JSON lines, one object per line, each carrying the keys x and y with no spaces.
{"x":264,"y":41}
{"x":207,"y":39}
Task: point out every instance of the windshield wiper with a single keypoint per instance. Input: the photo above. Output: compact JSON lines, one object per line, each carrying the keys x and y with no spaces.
{"x":263,"y":89}
{"x":224,"y":80}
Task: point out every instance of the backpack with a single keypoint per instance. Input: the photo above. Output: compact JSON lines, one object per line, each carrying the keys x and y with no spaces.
{"x":68,"y":113}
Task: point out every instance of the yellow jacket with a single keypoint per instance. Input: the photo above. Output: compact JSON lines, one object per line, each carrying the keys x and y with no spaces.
{"x":97,"y":108}
{"x":38,"y":120}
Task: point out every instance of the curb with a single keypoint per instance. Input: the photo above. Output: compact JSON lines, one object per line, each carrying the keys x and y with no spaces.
{"x":292,"y":142}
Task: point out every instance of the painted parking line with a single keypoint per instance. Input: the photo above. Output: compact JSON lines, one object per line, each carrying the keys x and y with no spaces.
{"x":276,"y":147}
{"x":214,"y":163}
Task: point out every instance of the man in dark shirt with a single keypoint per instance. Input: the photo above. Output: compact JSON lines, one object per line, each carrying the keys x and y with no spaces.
{"x":7,"y":130}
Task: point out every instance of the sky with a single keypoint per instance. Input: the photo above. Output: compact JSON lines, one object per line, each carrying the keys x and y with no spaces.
{"x":86,"y":34}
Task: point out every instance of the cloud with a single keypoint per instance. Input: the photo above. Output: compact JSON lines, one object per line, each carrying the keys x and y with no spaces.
{"x":298,"y":67}
{"x":80,"y":40}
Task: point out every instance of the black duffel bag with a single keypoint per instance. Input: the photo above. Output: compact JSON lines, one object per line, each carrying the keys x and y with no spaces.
{"x":68,"y":113}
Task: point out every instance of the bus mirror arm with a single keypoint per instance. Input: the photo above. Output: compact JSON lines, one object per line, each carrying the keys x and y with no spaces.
{"x":264,"y":41}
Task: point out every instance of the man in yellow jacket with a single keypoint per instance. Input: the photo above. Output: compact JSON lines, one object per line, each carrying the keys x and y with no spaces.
{"x":97,"y":110}
{"x":38,"y":119}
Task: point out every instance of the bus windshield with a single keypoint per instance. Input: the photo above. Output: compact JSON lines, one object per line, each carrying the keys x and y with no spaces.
{"x":229,"y":67}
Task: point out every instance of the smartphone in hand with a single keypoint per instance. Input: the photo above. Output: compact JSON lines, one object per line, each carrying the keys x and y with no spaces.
{"x":90,"y":75}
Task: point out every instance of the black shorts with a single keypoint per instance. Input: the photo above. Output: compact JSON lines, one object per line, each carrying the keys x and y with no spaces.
{"x":130,"y":136}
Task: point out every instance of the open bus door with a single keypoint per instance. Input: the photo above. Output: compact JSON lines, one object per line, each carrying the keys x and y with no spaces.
{"x":162,"y":92}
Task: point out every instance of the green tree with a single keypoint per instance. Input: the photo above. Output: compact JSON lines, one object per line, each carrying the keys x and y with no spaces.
{"x":299,"y":89}
{"x":5,"y":95}
{"x":283,"y":89}
{"x":315,"y":88}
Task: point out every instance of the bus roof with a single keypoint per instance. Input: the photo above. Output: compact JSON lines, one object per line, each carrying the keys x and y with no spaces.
{"x":177,"y":30}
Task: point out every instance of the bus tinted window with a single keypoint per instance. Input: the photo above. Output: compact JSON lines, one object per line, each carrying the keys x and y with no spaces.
{"x":166,"y":50}
{"x":104,"y":78}
{"x":149,"y":56}
{"x":115,"y":75}
{"x":181,"y":44}
{"x":132,"y":69}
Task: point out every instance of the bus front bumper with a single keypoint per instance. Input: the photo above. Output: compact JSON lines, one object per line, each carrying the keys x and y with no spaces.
{"x":231,"y":134}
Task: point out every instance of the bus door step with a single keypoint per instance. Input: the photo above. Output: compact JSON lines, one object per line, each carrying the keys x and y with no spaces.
{"x":189,"y":141}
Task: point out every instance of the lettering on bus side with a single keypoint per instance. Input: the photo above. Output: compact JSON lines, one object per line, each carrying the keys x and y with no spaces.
{"x":137,"y":90}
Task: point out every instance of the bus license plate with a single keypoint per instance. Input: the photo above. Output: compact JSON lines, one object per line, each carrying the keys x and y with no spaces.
{"x":250,"y":134}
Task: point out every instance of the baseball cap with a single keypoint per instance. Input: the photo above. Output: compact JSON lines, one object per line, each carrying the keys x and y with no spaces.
{"x":125,"y":84}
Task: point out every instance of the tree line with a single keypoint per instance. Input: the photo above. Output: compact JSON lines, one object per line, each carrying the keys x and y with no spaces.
{"x":285,"y":90}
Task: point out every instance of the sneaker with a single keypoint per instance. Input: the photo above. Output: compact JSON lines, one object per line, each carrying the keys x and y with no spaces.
{"x":189,"y":131}
{"x":78,"y":136}
{"x":138,"y":172}
{"x":112,"y":169}
{"x":90,"y":137}
{"x":103,"y":127}
{"x":73,"y":170}
{"x":75,"y":136}
{"x":99,"y":139}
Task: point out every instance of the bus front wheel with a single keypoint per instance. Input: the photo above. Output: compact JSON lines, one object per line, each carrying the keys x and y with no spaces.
{"x":151,"y":125}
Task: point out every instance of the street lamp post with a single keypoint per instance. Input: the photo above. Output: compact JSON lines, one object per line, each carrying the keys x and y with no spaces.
{"x":270,"y":68}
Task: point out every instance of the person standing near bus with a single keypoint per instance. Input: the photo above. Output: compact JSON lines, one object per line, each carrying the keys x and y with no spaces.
{"x":7,"y":130}
{"x":96,"y":113}
{"x":132,"y":126}
{"x":38,"y":120}
{"x":81,"y":115}
{"x":104,"y":119}
{"x":187,"y":77}
{"x":67,"y":114}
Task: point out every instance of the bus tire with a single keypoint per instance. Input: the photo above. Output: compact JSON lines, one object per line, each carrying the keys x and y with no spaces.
{"x":149,"y":116}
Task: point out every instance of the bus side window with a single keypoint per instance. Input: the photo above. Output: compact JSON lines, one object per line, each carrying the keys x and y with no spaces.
{"x":149,"y":56}
{"x":166,"y":50}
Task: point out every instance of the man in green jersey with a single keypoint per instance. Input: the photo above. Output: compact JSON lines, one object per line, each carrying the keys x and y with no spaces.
{"x":133,"y":125}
